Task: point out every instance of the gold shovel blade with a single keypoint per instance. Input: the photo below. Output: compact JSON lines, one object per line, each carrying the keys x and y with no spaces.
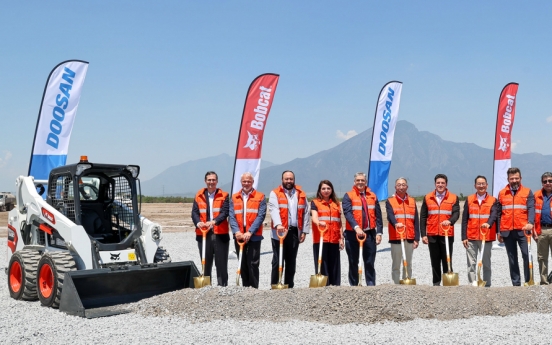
{"x":408,"y":281}
{"x":318,"y":280}
{"x":450,"y":279}
{"x":201,"y":281}
{"x":279,"y":286}
{"x":481,"y":283}
{"x":529,"y":283}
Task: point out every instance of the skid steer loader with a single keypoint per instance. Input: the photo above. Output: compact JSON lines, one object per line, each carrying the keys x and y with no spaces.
{"x":86,"y":247}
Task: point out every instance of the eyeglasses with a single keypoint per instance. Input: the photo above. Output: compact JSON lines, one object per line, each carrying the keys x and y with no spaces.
{"x":480,"y":184}
{"x":546,"y":181}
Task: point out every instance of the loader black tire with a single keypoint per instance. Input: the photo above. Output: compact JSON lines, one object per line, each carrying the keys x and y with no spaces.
{"x":22,"y":271}
{"x":162,"y":256}
{"x":51,"y":273}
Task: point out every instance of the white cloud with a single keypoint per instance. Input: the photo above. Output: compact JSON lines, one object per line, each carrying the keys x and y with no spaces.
{"x":346,"y":136}
{"x":5,"y":158}
{"x":515,"y":144}
{"x":549,"y":119}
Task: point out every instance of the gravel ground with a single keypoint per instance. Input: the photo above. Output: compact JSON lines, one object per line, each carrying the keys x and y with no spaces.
{"x":386,"y":313}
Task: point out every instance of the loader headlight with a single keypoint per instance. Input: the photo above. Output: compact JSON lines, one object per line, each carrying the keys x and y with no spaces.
{"x":83,"y":167}
{"x":156,"y":233}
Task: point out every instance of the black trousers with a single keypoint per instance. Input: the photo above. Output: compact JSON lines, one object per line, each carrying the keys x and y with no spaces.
{"x":368,"y":254}
{"x":517,"y":237}
{"x":438,"y":256}
{"x":217,"y":246}
{"x":331,"y":262}
{"x":250,"y":263}
{"x":291,"y":246}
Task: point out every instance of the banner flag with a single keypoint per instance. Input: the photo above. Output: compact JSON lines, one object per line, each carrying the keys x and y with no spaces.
{"x":503,"y":136}
{"x":255,"y":114}
{"x":56,"y":117}
{"x":383,"y":132}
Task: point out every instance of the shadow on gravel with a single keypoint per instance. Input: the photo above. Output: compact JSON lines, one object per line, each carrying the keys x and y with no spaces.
{"x":384,"y":250}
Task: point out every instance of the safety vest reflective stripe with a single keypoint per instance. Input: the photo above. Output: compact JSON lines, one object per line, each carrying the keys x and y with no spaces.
{"x":482,"y":216}
{"x":202,"y":211}
{"x":409,"y":216}
{"x":357,"y":208}
{"x":538,"y":211}
{"x":324,"y":218}
{"x":283,"y":205}
{"x":216,"y":209}
{"x":509,"y":207}
{"x":301,"y":206}
{"x":238,"y":211}
{"x":439,"y":212}
{"x":252,"y":210}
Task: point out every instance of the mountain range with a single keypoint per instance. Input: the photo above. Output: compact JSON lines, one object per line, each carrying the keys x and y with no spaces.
{"x":417,"y":155}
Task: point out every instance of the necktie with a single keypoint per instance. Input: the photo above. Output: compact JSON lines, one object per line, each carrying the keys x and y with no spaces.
{"x":365,"y":213}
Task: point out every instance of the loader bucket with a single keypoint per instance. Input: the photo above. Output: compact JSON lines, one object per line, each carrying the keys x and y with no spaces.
{"x":88,"y":293}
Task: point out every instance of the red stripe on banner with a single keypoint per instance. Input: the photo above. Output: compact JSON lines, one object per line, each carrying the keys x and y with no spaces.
{"x":505,"y":122}
{"x":255,"y":114}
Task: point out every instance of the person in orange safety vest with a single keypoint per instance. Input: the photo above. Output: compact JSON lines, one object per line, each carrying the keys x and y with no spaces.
{"x":440,"y":210}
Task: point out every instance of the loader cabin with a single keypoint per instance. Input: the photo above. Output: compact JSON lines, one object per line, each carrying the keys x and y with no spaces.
{"x":106,"y":204}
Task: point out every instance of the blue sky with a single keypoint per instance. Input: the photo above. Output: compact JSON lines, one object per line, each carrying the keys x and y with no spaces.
{"x":167,"y":80}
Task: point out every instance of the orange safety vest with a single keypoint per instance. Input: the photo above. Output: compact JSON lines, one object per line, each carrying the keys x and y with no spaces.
{"x":329,"y":212}
{"x":514,"y":208}
{"x":479,"y":214}
{"x":539,"y":202}
{"x":356,"y":203}
{"x":203,"y":202}
{"x":252,"y":209}
{"x":438,"y":213}
{"x":283,"y":206}
{"x":405,"y":212}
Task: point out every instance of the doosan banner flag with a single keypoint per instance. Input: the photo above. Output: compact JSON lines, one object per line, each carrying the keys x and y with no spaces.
{"x":56,"y":117}
{"x":383,"y":132}
{"x":503,"y":136}
{"x":255,"y":114}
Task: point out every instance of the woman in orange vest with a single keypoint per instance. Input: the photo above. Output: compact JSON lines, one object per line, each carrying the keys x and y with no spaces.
{"x":326,"y":211}
{"x":480,"y":211}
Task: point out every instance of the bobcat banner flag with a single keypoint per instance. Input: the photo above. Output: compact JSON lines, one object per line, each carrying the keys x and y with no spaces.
{"x":255,"y":114}
{"x":503,"y":136}
{"x":56,"y":117}
{"x":383,"y":132}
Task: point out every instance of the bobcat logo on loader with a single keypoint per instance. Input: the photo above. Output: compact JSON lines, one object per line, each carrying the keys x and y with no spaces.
{"x":503,"y":146}
{"x":115,"y":257}
{"x":252,"y":141}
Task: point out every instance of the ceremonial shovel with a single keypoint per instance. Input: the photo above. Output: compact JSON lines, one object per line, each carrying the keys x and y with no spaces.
{"x":241,"y":244}
{"x":202,"y":280}
{"x":407,"y":280}
{"x":481,"y":282}
{"x":280,"y":286}
{"x":319,"y":280}
{"x":530,"y":282}
{"x":360,"y":257}
{"x":450,"y":278}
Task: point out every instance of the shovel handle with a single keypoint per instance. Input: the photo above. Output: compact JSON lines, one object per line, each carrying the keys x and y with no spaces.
{"x":241,"y":244}
{"x":322,"y":228}
{"x":361,"y":239}
{"x":402,"y":231}
{"x":483,"y":231}
{"x":445,"y":228}
{"x":204,"y":230}
{"x":281,"y":237}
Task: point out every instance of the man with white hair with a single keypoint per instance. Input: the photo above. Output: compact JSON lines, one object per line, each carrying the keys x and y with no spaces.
{"x":362,"y":211}
{"x":247,"y":213}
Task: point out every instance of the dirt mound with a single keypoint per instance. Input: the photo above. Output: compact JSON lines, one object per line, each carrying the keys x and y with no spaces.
{"x":341,"y":305}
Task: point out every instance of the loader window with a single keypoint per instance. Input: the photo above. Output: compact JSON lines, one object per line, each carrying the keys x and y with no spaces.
{"x":89,"y":188}
{"x":62,"y":196}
